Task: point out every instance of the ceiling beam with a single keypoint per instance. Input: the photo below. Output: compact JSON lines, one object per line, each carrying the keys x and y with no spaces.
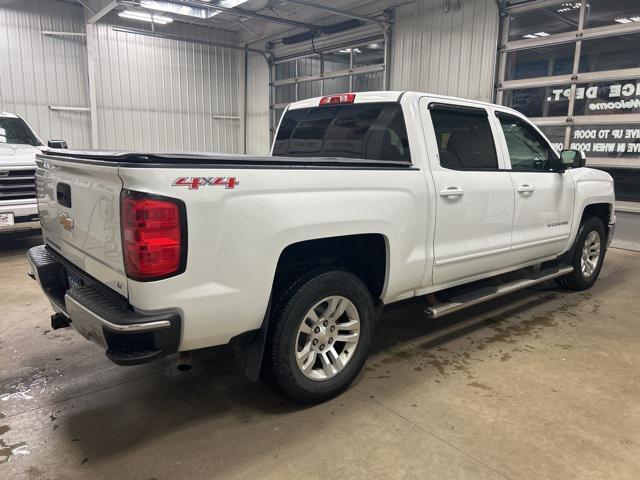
{"x":96,"y":16}
{"x":337,"y":11}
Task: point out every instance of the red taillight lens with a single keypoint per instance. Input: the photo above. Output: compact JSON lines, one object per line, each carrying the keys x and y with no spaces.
{"x":338,"y":99}
{"x":153,"y":237}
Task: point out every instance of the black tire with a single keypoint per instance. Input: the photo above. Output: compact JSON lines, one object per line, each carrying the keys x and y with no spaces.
{"x":290,"y":305}
{"x":576,"y":280}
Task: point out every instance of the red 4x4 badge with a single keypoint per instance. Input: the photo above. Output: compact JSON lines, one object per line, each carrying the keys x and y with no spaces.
{"x":194,"y":183}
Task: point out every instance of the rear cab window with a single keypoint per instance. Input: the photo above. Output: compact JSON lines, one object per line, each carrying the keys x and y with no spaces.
{"x":369,"y":131}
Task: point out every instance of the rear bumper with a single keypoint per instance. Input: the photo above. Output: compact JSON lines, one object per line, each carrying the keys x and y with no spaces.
{"x":101,"y":316}
{"x":25,"y":216}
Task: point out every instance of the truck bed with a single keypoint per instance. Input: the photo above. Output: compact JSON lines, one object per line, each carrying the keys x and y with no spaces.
{"x":203,"y":160}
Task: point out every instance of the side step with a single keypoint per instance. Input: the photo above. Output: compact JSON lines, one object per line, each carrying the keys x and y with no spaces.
{"x":488,"y":293}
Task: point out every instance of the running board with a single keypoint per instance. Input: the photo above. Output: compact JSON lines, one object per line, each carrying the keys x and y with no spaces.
{"x":488,"y":293}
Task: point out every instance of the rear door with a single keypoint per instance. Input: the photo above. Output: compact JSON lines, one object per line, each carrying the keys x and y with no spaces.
{"x":474,"y":198}
{"x":543,"y":197}
{"x":79,"y":207}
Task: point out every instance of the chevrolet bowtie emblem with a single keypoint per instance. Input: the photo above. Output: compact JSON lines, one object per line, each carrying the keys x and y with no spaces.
{"x":66,"y":221}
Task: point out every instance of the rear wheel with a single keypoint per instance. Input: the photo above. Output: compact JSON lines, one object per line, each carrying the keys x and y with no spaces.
{"x":320,"y":334}
{"x":587,"y":257}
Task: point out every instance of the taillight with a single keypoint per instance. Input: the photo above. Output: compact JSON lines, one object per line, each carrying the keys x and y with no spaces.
{"x":154,"y":242}
{"x":338,"y":99}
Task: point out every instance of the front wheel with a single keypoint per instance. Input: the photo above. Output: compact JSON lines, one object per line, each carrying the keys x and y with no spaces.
{"x":588,"y":255}
{"x":320,"y":334}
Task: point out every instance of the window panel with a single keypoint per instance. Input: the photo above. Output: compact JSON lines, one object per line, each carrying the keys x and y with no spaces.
{"x":601,"y":13}
{"x":465,"y":140}
{"x":606,"y":98}
{"x":610,"y":53}
{"x":540,"y":62}
{"x":538,"y":102}
{"x":612,"y":141}
{"x":555,"y":134}
{"x":528,"y":150}
{"x":545,"y":21}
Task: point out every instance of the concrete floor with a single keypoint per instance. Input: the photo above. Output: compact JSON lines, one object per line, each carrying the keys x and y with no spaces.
{"x":542,"y":384}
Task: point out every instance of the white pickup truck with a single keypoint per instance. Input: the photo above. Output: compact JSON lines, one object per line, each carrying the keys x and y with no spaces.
{"x":367,"y":199}
{"x":18,"y":148}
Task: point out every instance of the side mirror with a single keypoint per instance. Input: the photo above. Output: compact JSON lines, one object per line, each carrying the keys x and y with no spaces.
{"x":57,"y":144}
{"x":573,"y":158}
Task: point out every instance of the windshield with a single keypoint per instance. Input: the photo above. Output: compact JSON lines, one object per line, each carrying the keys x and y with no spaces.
{"x":16,"y":131}
{"x":372,"y":131}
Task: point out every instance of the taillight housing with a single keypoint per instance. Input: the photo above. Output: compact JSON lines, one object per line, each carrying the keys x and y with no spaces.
{"x":154,"y":235}
{"x":338,"y":99}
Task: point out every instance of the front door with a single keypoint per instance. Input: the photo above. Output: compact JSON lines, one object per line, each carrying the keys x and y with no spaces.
{"x":474,"y":198}
{"x":544,"y":197}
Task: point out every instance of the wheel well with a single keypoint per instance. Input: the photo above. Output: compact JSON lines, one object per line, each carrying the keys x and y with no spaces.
{"x":364,"y":255}
{"x":599,"y":210}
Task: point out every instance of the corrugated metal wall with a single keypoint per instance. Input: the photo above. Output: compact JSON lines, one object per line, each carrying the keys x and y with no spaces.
{"x":258,"y":139}
{"x":159,"y":94}
{"x":37,"y":71}
{"x":449,"y":53}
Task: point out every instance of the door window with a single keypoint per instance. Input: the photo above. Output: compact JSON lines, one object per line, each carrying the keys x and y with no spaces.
{"x":528,"y":150}
{"x":464,"y":137}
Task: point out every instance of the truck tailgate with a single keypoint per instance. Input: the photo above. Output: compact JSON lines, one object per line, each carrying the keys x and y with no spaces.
{"x":79,"y":206}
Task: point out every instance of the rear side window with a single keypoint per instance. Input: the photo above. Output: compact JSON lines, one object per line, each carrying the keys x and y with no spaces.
{"x":464,"y":137}
{"x":528,"y":150}
{"x":371,"y":131}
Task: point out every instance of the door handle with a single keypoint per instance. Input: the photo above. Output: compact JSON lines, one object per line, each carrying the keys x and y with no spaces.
{"x":452,"y":192}
{"x":525,"y":188}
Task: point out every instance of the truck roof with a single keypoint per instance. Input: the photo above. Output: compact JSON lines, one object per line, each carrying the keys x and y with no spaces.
{"x":8,"y":115}
{"x":389,"y":96}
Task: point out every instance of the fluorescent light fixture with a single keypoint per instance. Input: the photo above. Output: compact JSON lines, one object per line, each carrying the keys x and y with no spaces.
{"x":623,"y":20}
{"x":635,"y":19}
{"x":374,"y":46}
{"x":536,"y":35}
{"x":227,"y":4}
{"x":178,"y":9}
{"x":145,"y":17}
{"x":568,"y":6}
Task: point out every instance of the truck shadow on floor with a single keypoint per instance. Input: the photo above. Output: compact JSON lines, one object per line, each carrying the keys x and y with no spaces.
{"x":213,"y":394}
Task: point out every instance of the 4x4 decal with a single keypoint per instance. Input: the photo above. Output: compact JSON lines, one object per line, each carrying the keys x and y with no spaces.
{"x":194,"y":183}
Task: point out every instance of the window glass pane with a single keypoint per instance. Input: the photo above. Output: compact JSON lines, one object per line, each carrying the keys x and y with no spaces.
{"x":538,"y":102}
{"x":337,"y":60}
{"x":610,"y":53}
{"x":601,"y":13}
{"x":610,"y":141}
{"x":367,"y":82}
{"x":555,"y":134}
{"x":606,"y":98}
{"x":545,"y":21}
{"x":373,"y":131}
{"x":527,"y":149}
{"x":465,"y":141}
{"x":369,"y":54}
{"x":309,"y":66}
{"x":540,"y":62}
{"x":309,"y":89}
{"x":15,"y":131}
{"x":336,"y":85}
{"x":285,"y":70}
{"x":285,"y":94}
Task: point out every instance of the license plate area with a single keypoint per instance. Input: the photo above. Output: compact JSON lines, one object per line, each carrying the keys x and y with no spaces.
{"x":7,"y":219}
